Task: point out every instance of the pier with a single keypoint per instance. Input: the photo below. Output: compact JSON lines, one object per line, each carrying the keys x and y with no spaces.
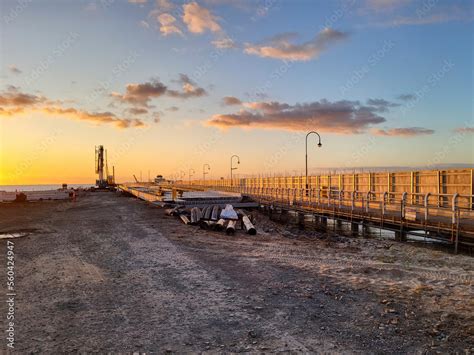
{"x":431,"y":203}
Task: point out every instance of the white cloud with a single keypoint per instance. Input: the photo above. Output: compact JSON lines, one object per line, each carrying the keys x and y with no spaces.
{"x":144,"y":24}
{"x":164,"y":5}
{"x":226,"y":42}
{"x":168,"y":25}
{"x":280,"y":47}
{"x":199,"y":19}
{"x":386,"y":5}
{"x":403,"y":132}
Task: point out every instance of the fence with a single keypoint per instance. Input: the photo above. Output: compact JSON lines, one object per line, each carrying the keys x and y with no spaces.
{"x":437,"y":188}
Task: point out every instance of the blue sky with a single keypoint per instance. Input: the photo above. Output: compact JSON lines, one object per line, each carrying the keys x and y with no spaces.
{"x":99,"y":71}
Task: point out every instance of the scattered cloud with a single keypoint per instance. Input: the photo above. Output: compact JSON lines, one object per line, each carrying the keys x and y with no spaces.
{"x":137,"y":111}
{"x":98,"y":117}
{"x":166,"y":16}
{"x":139,"y":2}
{"x":464,"y":130}
{"x":156,"y":117}
{"x":348,"y":117}
{"x":403,"y":132}
{"x":240,"y":4}
{"x":267,"y":107}
{"x":393,"y":13}
{"x":406,"y":97}
{"x":382,"y":105}
{"x":14,"y":97}
{"x":164,"y":5}
{"x":224,"y":43}
{"x":168,"y":25}
{"x":144,"y":24}
{"x":173,"y":19}
{"x":386,"y":5}
{"x":141,"y":94}
{"x":281,"y":47}
{"x":189,"y":89}
{"x":198,"y":19}
{"x":14,"y":102}
{"x":14,"y":69}
{"x":434,"y":18}
{"x":231,"y":100}
{"x":428,"y":13}
{"x":259,"y":95}
{"x":172,"y":109}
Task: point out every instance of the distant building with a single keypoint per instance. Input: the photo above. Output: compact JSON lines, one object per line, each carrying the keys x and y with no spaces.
{"x":159,"y":179}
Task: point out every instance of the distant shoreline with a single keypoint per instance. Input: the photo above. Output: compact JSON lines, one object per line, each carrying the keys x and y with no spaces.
{"x":40,"y":187}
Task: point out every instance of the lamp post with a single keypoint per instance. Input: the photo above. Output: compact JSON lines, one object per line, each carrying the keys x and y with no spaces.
{"x":231,"y":166}
{"x":190,"y":174}
{"x":319,"y":145}
{"x":204,"y":172}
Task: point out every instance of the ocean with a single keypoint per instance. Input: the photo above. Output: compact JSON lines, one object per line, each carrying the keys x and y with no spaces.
{"x":39,"y":187}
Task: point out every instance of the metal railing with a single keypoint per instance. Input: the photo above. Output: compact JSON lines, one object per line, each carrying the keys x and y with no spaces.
{"x":406,"y":205}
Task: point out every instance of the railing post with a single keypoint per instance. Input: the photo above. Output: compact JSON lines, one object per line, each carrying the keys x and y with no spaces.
{"x":456,"y":241}
{"x":385,"y":194}
{"x":367,"y":196}
{"x":427,"y":197}
{"x":403,"y":203}
{"x":329,"y":196}
{"x":454,"y":206}
{"x":352,"y":200}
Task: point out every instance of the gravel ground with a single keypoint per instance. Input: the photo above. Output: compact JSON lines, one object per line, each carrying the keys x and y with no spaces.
{"x":112,"y":273}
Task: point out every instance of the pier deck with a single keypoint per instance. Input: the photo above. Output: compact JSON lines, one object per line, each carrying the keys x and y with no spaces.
{"x":432,"y":202}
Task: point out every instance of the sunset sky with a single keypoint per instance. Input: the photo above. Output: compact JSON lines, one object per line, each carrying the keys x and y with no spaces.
{"x":168,"y":86}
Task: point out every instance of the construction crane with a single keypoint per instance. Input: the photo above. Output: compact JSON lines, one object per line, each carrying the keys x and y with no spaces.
{"x":106,"y":181}
{"x":110,"y":178}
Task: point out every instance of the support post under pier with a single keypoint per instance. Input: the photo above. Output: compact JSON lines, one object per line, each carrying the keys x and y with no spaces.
{"x":354,"y":228}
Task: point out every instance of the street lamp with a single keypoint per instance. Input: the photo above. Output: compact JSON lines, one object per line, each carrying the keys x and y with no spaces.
{"x":191,"y":174}
{"x":204,"y":172}
{"x":231,"y":167}
{"x":319,"y":145}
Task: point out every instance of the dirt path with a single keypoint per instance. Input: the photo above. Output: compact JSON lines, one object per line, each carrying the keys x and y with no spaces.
{"x":111,"y":273}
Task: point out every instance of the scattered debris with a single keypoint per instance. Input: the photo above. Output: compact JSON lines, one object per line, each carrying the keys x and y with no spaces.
{"x":215,"y":218}
{"x":230,"y":230}
{"x":12,"y":235}
{"x":184,"y":218}
{"x":229,"y":213}
{"x":248,"y":225}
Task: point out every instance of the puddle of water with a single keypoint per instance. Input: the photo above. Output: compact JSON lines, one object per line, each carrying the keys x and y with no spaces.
{"x":12,"y":235}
